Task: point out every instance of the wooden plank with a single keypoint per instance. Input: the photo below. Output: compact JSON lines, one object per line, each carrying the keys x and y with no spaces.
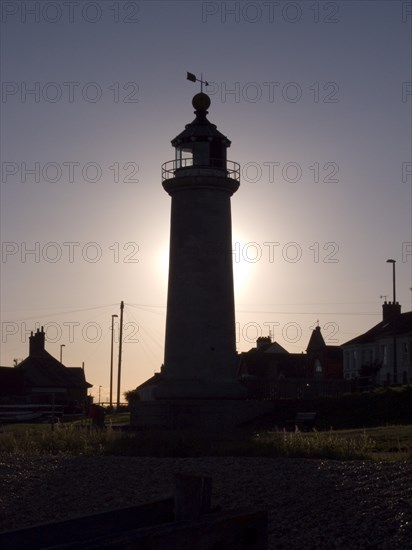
{"x":233,"y":530}
{"x":107,"y":524}
{"x":192,"y":496}
{"x":176,"y":523}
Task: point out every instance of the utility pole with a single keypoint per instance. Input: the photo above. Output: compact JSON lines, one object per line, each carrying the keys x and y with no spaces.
{"x":120,"y":353}
{"x":111,"y":364}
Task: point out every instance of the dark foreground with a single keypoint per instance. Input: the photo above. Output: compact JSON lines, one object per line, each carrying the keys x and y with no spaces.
{"x":311,"y":503}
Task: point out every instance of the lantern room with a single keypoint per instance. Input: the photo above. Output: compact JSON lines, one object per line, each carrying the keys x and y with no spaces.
{"x":200,"y":143}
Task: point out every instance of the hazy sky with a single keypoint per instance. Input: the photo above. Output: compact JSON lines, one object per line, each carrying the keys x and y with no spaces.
{"x":316,"y":98}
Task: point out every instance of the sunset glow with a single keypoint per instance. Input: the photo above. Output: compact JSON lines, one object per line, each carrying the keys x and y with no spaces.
{"x":322,"y":137}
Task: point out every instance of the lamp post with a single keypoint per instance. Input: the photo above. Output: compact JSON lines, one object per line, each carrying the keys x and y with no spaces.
{"x":395,"y":358}
{"x":111,"y":363}
{"x":99,"y":394}
{"x":393,"y":262}
{"x":61,"y":352}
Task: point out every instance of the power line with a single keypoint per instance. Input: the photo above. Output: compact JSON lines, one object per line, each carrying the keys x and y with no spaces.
{"x":59,"y":313}
{"x":306,"y":312}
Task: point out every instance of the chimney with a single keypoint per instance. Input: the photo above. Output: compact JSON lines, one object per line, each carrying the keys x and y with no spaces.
{"x":262,"y":341}
{"x":36,"y":346}
{"x":390,"y":310}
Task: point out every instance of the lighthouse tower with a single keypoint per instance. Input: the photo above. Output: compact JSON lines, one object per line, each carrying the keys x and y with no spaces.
{"x":200,"y":359}
{"x":198,"y":385}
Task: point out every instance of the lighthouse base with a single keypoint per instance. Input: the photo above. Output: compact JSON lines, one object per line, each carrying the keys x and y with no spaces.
{"x":205,"y":414}
{"x":199,"y":389}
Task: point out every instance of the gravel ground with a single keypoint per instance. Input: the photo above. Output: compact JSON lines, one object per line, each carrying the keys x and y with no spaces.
{"x":312,"y":504}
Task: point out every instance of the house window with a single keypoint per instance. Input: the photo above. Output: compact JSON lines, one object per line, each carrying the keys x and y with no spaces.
{"x":184,"y":157}
{"x":318,"y":369}
{"x":201,"y":154}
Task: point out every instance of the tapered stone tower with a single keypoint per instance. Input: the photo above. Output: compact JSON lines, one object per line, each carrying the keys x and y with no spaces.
{"x":200,"y":346}
{"x":198,"y":386}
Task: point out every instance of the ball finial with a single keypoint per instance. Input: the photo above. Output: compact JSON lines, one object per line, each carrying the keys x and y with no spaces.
{"x":201,"y":102}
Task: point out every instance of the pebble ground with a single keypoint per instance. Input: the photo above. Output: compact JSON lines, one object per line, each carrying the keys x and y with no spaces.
{"x":312,"y":504}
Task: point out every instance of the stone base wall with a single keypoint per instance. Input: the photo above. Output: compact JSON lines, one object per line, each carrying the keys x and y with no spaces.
{"x":195,"y":413}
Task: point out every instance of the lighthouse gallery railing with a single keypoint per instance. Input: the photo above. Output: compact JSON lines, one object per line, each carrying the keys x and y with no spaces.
{"x":172,"y":168}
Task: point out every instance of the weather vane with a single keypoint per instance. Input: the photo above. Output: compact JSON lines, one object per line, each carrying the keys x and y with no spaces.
{"x":192,"y":78}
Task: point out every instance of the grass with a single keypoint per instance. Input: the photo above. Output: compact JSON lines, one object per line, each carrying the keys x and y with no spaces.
{"x":64,"y":439}
{"x":383,"y":443}
{"x":118,"y":418}
{"x":389,"y":442}
{"x":318,"y":445}
{"x":110,"y":418}
{"x":371,"y":426}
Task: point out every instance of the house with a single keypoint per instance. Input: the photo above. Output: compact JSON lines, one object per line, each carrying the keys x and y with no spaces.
{"x":268,"y":370}
{"x":40,"y":378}
{"x":323,"y":361}
{"x":270,"y":361}
{"x":383,"y":354}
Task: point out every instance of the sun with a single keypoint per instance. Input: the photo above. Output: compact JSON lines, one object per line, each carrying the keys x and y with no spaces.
{"x":243,"y":263}
{"x":162,"y":261}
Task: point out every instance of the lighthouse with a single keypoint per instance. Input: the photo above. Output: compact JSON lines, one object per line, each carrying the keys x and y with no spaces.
{"x":200,"y":360}
{"x":198,"y":386}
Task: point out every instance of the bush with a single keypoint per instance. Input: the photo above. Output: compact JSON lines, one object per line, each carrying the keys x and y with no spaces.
{"x":379,"y":407}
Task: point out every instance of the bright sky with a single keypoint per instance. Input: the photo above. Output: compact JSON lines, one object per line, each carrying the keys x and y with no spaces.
{"x":316,"y":98}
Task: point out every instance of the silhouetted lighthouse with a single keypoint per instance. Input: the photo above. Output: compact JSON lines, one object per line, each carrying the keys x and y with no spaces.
{"x":200,"y":346}
{"x":198,"y":386}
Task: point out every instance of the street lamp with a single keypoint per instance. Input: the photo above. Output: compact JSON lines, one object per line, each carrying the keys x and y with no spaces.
{"x":99,"y":393}
{"x":111,"y":364}
{"x":61,"y":352}
{"x":395,"y":358}
{"x":393,"y":262}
